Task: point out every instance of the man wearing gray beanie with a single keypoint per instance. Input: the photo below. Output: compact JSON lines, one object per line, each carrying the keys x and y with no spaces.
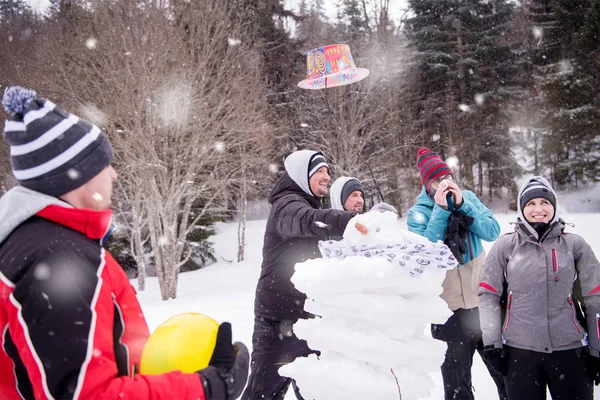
{"x":347,"y":194}
{"x":72,"y":327}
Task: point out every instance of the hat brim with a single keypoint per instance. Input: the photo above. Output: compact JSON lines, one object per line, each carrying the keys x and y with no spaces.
{"x":341,"y":78}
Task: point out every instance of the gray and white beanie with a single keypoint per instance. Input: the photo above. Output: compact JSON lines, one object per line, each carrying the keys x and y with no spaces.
{"x":534,"y":188}
{"x":341,"y":189}
{"x":302,"y":164}
{"x":51,"y":151}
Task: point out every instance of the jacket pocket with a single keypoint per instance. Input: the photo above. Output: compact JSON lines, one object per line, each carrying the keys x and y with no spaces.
{"x":555,"y":268}
{"x":508,"y":306}
{"x":574,"y":315}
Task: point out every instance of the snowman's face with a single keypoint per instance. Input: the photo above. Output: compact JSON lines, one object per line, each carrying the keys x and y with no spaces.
{"x":354,"y":202}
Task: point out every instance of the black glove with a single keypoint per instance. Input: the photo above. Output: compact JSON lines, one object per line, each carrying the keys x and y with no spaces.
{"x":496,"y":359}
{"x":594,"y":369}
{"x":227,"y":371}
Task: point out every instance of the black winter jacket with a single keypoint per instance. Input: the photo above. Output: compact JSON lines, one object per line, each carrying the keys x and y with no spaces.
{"x":295,"y":225}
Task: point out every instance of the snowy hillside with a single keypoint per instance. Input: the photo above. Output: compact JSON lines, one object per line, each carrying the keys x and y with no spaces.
{"x":225,"y":291}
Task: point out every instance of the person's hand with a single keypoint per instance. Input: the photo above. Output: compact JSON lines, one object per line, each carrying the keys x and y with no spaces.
{"x":496,"y":359}
{"x":383,"y":207}
{"x":594,"y":369}
{"x":441,"y":194}
{"x":455,"y":190}
{"x":227,"y":371}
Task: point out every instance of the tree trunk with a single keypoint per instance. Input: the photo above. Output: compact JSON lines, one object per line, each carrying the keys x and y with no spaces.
{"x":480,"y":179}
{"x":243,"y":214}
{"x":138,"y":254}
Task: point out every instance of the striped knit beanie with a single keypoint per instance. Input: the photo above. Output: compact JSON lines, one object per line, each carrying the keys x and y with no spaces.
{"x":316,"y":161}
{"x":536,"y":190}
{"x":51,"y":151}
{"x":430,"y":167}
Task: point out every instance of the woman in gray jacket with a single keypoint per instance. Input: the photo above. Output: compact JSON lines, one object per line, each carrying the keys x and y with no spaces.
{"x":541,"y":344}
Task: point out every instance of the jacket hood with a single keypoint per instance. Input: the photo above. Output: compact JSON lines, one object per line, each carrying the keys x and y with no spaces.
{"x":286,"y":186}
{"x":19,"y":204}
{"x":335,"y":192}
{"x":544,"y":182}
{"x":296,"y":166}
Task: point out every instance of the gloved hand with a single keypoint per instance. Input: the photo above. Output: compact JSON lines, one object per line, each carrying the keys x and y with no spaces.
{"x":496,"y":359}
{"x":227,"y":371}
{"x":383,"y":207}
{"x":594,"y":369}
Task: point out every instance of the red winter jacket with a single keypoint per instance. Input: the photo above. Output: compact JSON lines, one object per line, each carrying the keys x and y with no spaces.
{"x":71,"y":326}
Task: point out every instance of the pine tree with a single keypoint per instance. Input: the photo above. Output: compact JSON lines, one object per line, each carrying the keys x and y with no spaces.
{"x":470,"y":72}
{"x":567,"y":80}
{"x":13,"y":10}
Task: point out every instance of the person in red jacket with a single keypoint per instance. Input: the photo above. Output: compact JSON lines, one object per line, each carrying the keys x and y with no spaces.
{"x":71,"y":326}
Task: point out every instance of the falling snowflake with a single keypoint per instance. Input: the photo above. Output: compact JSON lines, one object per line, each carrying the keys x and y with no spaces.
{"x":273,"y":168}
{"x":73,"y":174}
{"x":97,"y":196}
{"x":320,"y":224}
{"x":97,"y":353}
{"x":220,"y":146}
{"x":464,"y":108}
{"x":565,"y":67}
{"x":234,"y":42}
{"x":10,"y":38}
{"x":435,"y":137}
{"x":479,"y":99}
{"x":304,"y":125}
{"x":42,"y":272}
{"x":537,"y":32}
{"x":127,"y":53}
{"x":452,"y":162}
{"x":93,"y":114}
{"x":163,"y":241}
{"x":91,"y":43}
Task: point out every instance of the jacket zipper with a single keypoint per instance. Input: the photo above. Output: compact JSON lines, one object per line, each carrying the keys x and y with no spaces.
{"x":509,"y":303}
{"x":555,"y":266}
{"x":574,"y":316}
{"x":598,"y":324}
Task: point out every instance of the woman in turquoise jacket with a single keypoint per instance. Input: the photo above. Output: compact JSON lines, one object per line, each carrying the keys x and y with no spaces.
{"x":446,"y":213}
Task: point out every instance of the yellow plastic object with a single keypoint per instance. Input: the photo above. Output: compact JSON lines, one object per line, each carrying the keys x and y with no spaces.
{"x":183,"y":343}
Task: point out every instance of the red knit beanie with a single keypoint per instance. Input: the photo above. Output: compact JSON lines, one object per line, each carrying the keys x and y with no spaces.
{"x":431,"y":167}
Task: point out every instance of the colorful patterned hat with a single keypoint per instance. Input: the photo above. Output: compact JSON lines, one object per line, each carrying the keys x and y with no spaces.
{"x":331,"y":66}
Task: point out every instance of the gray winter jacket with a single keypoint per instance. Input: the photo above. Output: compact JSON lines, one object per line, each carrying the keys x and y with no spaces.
{"x":540,"y":272}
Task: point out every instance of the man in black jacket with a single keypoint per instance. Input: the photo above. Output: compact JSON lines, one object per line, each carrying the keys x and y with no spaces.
{"x":295,"y":225}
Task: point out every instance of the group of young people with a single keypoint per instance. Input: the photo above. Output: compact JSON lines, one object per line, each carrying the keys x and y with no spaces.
{"x":517,"y":307}
{"x":72,"y":328}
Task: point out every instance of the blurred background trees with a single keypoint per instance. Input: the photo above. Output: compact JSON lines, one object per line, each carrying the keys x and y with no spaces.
{"x":200,"y":101}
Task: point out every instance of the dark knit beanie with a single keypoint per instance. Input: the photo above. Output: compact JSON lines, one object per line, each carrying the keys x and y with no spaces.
{"x":353,"y":185}
{"x":316,"y":161}
{"x":51,"y":151}
{"x":536,"y":190}
{"x":431,"y":167}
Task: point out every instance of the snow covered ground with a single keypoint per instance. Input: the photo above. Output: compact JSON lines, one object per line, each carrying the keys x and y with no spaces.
{"x":225,"y":291}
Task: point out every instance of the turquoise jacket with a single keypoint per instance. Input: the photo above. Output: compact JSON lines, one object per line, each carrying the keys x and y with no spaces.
{"x":430,"y":220}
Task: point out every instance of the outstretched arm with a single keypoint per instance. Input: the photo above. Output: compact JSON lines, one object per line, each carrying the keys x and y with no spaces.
{"x":297,"y":218}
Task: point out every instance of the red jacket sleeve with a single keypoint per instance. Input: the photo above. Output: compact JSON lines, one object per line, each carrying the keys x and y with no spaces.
{"x":62,"y":318}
